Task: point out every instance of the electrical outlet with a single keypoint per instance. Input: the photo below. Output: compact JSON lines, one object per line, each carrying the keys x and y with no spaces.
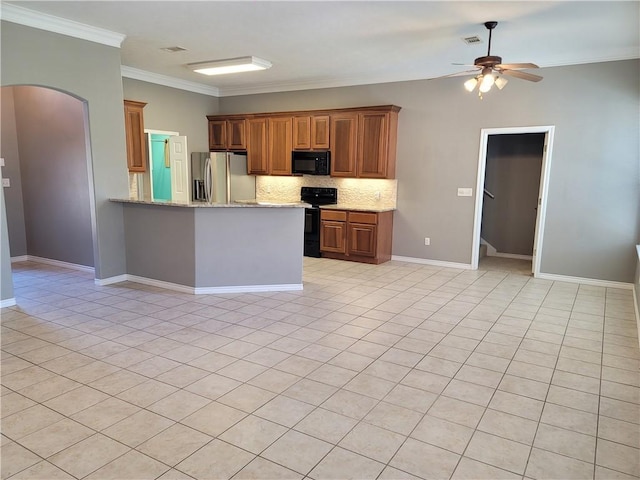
{"x":377,"y":195}
{"x":6,"y":182}
{"x":427,"y":241}
{"x":465,"y":192}
{"x":1,"y":162}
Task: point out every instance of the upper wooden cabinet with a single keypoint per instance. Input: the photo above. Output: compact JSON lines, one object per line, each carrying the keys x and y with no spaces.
{"x":227,"y":134}
{"x":344,"y":128}
{"x":134,"y":132}
{"x":362,"y":140}
{"x":311,"y":132}
{"x":377,"y":144}
{"x":257,"y":153}
{"x":279,"y":145}
{"x":363,"y":143}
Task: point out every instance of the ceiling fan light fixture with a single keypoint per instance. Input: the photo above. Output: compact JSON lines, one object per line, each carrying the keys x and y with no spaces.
{"x":486,"y":83}
{"x":501,"y":82}
{"x":229,"y":65}
{"x":470,"y":84}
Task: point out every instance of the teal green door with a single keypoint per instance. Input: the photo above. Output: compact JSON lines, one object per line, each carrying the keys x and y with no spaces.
{"x":161,"y":169}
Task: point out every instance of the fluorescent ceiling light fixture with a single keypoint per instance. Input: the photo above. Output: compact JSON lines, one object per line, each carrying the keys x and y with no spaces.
{"x":230,"y":65}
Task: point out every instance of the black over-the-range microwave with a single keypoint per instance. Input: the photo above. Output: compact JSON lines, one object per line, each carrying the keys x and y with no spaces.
{"x":311,"y":163}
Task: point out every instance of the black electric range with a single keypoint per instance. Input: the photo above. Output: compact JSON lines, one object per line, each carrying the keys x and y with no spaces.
{"x":315,"y":196}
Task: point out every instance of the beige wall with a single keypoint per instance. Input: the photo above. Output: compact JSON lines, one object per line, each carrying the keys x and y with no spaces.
{"x":174,"y":110}
{"x":91,"y":72}
{"x":593,"y":214}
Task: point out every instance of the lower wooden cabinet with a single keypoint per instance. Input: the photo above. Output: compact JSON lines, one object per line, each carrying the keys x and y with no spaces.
{"x":356,"y":236}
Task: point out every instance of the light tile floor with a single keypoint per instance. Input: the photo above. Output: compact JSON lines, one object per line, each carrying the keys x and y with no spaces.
{"x":396,"y":371}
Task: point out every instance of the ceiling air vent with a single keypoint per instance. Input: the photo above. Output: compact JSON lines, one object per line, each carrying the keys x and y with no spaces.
{"x":174,"y":49}
{"x":471,"y":40}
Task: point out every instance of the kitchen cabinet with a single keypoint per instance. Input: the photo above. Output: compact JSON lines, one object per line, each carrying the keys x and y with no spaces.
{"x":257,"y":153}
{"x":134,"y":134}
{"x":227,"y":134}
{"x":363,"y":144}
{"x":344,"y":128}
{"x":362,"y":140}
{"x":333,"y":231}
{"x":311,"y":132}
{"x":376,"y":133}
{"x":356,"y":236}
{"x":279,"y":145}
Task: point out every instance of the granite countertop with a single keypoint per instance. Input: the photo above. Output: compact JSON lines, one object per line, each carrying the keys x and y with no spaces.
{"x":359,"y":208}
{"x":252,"y":203}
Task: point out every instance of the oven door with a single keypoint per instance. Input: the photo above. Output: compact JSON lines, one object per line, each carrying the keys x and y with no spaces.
{"x":312,"y":224}
{"x":312,"y":232}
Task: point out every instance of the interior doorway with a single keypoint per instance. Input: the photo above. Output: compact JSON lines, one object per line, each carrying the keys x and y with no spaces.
{"x":159,"y":181}
{"x":50,"y":202}
{"x":513,"y":214}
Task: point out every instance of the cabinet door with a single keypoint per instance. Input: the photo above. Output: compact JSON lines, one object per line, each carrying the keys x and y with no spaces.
{"x":257,"y":160}
{"x":217,"y":135}
{"x":302,"y":133}
{"x":373,"y":135}
{"x":320,"y":132}
{"x":362,"y":239}
{"x":134,"y":133}
{"x":236,"y":135}
{"x":280,"y":145}
{"x":333,"y":236}
{"x":344,"y":128}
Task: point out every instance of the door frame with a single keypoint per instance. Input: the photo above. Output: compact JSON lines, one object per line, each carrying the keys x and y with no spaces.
{"x":545,"y":170}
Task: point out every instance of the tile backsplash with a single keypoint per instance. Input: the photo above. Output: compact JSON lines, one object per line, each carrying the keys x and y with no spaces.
{"x":351,"y":191}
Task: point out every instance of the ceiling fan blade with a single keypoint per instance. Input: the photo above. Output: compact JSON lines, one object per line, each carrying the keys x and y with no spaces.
{"x":516,"y":66}
{"x":457,"y":74}
{"x":523,"y":75}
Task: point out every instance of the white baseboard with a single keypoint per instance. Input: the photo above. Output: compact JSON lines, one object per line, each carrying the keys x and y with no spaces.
{"x":200,"y":290}
{"x":635,"y":307}
{"x":7,"y":302}
{"x":161,"y":284}
{"x":286,"y":287}
{"x":435,"y":263}
{"x":111,"y":280}
{"x":55,"y":263}
{"x":585,"y":281}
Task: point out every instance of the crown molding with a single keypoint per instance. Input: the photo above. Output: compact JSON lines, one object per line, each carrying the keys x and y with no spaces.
{"x":43,"y":21}
{"x":137,"y":74}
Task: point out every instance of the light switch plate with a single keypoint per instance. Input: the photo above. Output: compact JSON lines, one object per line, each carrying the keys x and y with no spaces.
{"x":465,"y":192}
{"x":6,"y":182}
{"x":1,"y":162}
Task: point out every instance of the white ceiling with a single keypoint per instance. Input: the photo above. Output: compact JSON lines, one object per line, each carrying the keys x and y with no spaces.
{"x":338,"y":43}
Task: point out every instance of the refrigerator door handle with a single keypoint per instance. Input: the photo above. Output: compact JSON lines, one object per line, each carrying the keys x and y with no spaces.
{"x":208,"y":184}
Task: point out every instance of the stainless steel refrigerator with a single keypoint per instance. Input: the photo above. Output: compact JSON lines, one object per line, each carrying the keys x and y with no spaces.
{"x":221,"y":177}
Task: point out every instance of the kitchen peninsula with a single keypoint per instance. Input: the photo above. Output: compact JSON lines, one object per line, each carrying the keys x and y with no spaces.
{"x":215,"y":248}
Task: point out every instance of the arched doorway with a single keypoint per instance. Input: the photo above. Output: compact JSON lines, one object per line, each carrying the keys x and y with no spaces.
{"x":49,"y":204}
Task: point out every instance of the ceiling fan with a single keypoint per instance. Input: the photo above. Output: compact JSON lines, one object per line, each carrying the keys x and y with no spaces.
{"x":491,"y":68}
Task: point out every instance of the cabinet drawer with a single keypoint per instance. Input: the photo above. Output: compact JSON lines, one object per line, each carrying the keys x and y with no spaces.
{"x":335,"y":215}
{"x":360,"y":217}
